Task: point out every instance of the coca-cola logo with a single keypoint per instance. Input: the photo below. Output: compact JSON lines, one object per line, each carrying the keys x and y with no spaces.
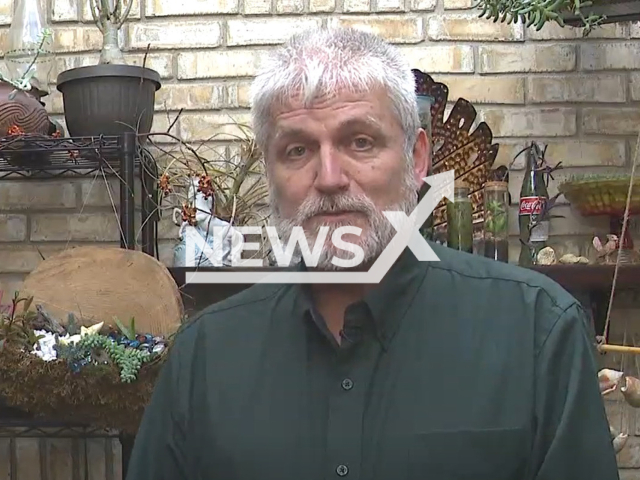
{"x":531,"y":205}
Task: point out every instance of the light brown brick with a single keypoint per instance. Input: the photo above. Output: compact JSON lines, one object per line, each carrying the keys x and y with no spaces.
{"x":526,"y":58}
{"x":86,"y":16}
{"x":468,"y":27}
{"x":577,"y":88}
{"x":67,"y":62}
{"x":553,"y":31}
{"x":440,"y":58}
{"x":266,"y":31}
{"x":611,"y":121}
{"x":479,"y":89}
{"x":13,"y":228}
{"x":64,"y":10}
{"x":356,"y":6}
{"x":610,"y":56}
{"x":19,"y":195}
{"x":160,"y":62}
{"x":81,"y":227}
{"x":199,"y":96}
{"x":170,"y":8}
{"x":390,"y":6}
{"x":96,"y":192}
{"x":634,"y":85}
{"x":223,"y":64}
{"x":572,"y":153}
{"x":289,"y":6}
{"x":257,"y":7}
{"x":77,"y":39}
{"x":629,"y":457}
{"x":166,"y":253}
{"x":529,"y":122}
{"x":634,"y":30}
{"x":25,"y":258}
{"x":5,"y":12}
{"x":188,"y":35}
{"x":322,"y":6}
{"x":212,"y":127}
{"x":238,"y":95}
{"x":53,"y":102}
{"x":394,"y":29}
{"x":423,"y":5}
{"x":458,"y":4}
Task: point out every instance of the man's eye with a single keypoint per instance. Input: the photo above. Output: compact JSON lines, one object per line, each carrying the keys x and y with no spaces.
{"x":296,"y":151}
{"x":362,"y":143}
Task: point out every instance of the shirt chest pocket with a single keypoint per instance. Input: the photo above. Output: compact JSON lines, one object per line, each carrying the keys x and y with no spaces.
{"x":492,"y":454}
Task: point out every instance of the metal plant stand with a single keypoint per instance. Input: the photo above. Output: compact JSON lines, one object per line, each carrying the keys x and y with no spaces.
{"x":41,"y":158}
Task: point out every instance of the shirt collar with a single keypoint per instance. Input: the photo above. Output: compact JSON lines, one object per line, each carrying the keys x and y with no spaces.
{"x":387,"y":302}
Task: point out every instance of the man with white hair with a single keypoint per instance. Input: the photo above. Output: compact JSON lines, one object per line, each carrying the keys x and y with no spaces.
{"x":462,"y":369}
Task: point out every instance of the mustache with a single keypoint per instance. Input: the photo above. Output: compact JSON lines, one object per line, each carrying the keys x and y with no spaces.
{"x":335,"y":204}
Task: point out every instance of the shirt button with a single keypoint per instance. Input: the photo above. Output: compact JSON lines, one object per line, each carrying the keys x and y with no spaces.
{"x":347,"y":384}
{"x":342,"y":470}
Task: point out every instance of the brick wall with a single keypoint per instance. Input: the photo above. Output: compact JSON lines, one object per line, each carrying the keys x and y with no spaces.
{"x":581,"y":96}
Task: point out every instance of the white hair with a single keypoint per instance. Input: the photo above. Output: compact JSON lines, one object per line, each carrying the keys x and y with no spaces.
{"x":320,"y":62}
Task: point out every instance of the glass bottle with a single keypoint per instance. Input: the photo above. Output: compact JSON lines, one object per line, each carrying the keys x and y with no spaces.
{"x":424,"y":111}
{"x":496,"y":221}
{"x":460,"y":220}
{"x":534,"y":227}
{"x":29,"y":46}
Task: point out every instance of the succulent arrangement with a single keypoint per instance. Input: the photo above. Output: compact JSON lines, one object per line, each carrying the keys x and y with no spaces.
{"x":537,"y":13}
{"x":37,"y":333}
{"x":102,"y":375}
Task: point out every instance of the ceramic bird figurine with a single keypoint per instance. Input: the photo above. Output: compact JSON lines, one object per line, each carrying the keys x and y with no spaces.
{"x":609,"y":247}
{"x":631,"y":391}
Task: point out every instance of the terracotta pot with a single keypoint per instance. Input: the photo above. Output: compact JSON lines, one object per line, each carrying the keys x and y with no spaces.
{"x":24,"y":111}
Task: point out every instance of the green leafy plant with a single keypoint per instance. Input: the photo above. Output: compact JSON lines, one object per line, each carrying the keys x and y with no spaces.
{"x":130,"y":331}
{"x":536,"y":13}
{"x":495,"y":222}
{"x":17,"y":324}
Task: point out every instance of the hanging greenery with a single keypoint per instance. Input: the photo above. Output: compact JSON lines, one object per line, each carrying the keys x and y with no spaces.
{"x":536,"y":13}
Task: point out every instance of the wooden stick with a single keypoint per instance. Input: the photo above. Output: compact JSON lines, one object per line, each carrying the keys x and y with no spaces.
{"x":619,"y":349}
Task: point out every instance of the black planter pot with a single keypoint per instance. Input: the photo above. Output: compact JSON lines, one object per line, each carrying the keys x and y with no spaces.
{"x":108,"y":99}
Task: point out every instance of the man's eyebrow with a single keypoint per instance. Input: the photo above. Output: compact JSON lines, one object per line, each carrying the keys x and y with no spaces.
{"x":286,"y":133}
{"x":369,"y":122}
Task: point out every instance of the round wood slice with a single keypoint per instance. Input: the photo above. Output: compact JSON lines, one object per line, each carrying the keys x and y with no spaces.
{"x":97,"y":284}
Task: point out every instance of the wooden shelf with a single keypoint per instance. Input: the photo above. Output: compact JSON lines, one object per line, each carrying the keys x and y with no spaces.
{"x":592,"y":278}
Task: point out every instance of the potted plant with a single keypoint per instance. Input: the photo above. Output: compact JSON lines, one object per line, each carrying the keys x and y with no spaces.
{"x":112,"y":97}
{"x":204,"y":191}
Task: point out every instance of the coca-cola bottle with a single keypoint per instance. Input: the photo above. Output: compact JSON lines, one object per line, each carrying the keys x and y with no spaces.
{"x":534,"y":227}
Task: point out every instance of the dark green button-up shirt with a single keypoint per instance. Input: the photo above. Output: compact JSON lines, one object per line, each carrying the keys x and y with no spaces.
{"x":463,"y":369}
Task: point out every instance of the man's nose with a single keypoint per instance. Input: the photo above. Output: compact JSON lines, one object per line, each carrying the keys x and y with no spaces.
{"x":331,"y":178}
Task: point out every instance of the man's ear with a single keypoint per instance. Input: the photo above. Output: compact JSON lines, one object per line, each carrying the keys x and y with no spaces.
{"x":421,"y":157}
